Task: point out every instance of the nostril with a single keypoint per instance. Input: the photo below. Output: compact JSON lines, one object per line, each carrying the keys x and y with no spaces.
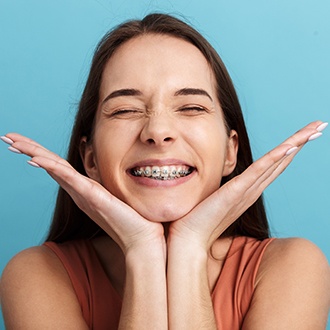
{"x":160,"y":141}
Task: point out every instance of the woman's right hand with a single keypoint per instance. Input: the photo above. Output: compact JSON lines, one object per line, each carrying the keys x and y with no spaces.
{"x":123,"y":224}
{"x":142,"y":241}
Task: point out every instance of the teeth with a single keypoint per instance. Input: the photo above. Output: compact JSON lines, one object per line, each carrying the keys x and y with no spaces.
{"x":173,"y":172}
{"x":155,"y":171}
{"x":147,"y":171}
{"x":162,"y":172}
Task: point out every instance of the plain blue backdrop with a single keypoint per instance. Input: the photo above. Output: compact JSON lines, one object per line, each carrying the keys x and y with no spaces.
{"x":277,"y":52}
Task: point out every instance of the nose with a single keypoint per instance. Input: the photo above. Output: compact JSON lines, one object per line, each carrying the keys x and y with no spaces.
{"x":158,"y":130}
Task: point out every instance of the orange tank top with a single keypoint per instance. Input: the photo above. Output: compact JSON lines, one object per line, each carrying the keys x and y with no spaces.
{"x":101,"y":305}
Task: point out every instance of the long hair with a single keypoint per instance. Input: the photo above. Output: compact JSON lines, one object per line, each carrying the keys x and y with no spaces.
{"x":69,"y":222}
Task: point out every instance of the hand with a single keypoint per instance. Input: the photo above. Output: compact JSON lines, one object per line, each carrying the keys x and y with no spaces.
{"x":126,"y":227}
{"x":208,"y":220}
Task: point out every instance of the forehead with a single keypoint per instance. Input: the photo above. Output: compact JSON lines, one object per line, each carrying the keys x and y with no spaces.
{"x":161,"y":60}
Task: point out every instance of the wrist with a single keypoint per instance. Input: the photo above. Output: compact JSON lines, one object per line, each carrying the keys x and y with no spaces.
{"x":187,"y":254}
{"x":186,"y":244}
{"x":145,"y":254}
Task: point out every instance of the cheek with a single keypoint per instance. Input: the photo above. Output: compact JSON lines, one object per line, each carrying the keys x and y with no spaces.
{"x":210,"y":142}
{"x":212,"y":150}
{"x":107,"y":160}
{"x":110,"y":143}
{"x":111,"y":152}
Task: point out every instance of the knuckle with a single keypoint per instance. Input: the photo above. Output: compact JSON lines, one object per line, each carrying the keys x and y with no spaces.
{"x":235,"y":190}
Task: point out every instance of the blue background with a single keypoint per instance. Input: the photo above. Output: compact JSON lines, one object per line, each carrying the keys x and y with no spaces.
{"x":278,"y":53}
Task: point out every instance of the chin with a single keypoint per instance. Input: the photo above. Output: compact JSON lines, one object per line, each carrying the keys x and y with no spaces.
{"x":165,"y":213}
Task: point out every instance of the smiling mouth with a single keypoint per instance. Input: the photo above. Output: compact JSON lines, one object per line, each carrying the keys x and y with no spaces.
{"x":171,"y":172}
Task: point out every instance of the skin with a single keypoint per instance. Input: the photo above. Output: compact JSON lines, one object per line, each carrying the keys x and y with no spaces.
{"x":165,"y":276}
{"x":161,"y":127}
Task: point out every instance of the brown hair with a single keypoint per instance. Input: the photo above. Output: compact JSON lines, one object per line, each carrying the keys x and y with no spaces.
{"x":69,"y":222}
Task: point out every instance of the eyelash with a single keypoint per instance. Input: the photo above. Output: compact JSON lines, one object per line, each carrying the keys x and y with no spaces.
{"x":123,"y":112}
{"x":185,"y":109}
{"x":193,"y":108}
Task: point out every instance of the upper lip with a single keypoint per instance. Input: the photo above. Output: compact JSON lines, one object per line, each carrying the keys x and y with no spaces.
{"x":160,"y":162}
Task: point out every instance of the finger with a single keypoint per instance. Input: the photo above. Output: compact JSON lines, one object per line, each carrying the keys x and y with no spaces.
{"x":299,"y":139}
{"x":34,"y":149}
{"x":307,"y":133}
{"x":89,"y":196}
{"x":262,"y":172}
{"x":247,"y":184}
{"x":22,"y":144}
{"x":126,"y":227}
{"x":56,"y":167}
{"x":15,"y":137}
{"x":242,"y":191}
{"x":76,"y":184}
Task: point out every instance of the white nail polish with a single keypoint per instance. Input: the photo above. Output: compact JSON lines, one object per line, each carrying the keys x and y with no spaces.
{"x":12,"y":149}
{"x":322,"y":127}
{"x":30,"y":162}
{"x":291,"y":150}
{"x":6,"y":140}
{"x":314,"y":136}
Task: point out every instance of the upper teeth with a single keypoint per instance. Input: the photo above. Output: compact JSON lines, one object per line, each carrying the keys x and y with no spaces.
{"x":162,"y":172}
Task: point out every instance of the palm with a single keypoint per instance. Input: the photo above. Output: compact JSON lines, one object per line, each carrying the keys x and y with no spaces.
{"x":116,"y":218}
{"x":208,"y":220}
{"x":203,"y":224}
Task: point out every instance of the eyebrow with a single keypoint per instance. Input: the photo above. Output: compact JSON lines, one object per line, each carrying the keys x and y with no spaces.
{"x":136,"y":92}
{"x":193,"y":91}
{"x":122,"y":92}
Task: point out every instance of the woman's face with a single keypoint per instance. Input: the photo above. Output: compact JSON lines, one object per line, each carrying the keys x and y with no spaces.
{"x":160,"y":142}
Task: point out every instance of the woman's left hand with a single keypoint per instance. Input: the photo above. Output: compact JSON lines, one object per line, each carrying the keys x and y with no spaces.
{"x":208,"y":220}
{"x":191,"y":268}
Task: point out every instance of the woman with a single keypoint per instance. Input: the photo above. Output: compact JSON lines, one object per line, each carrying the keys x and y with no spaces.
{"x":142,"y":235}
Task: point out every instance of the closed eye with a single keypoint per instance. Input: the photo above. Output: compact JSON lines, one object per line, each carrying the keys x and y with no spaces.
{"x":126,"y":113}
{"x":193,"y":109}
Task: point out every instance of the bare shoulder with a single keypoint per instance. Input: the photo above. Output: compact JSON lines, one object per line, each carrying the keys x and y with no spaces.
{"x":293,"y":253}
{"x":36,"y":292}
{"x":27,"y":260}
{"x":292,"y":287}
{"x":36,"y":265}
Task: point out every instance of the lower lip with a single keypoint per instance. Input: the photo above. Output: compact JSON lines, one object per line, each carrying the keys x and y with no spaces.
{"x":145,"y":181}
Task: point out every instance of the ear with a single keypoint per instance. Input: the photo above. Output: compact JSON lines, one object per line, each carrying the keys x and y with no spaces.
{"x":87,"y":155}
{"x":231,"y":153}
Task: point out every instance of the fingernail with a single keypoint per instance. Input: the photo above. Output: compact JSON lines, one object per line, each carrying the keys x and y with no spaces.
{"x":7,"y":140}
{"x":16,"y":151}
{"x":291,"y":150}
{"x":30,"y":162}
{"x":322,"y":127}
{"x":314,"y":136}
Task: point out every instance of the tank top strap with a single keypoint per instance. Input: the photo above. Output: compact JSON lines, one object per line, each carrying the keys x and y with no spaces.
{"x":100,"y":303}
{"x":234,"y":289}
